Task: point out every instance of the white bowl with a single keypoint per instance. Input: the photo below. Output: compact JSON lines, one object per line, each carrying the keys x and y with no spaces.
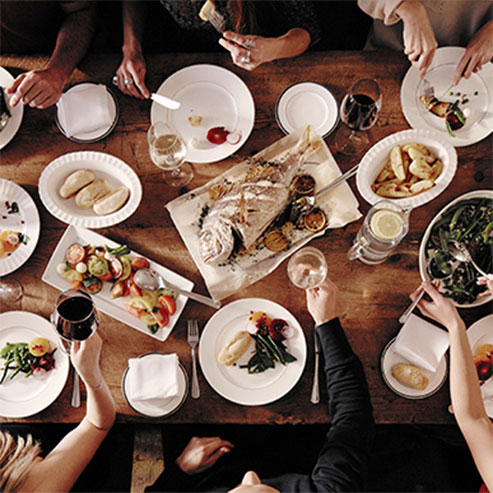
{"x":374,"y":161}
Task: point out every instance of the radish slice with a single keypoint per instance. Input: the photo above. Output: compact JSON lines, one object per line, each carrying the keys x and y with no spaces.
{"x":234,"y":138}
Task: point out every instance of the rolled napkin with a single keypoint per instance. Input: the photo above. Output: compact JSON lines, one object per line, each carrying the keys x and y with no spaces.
{"x":85,"y":108}
{"x":421,"y":343}
{"x":153,"y":377}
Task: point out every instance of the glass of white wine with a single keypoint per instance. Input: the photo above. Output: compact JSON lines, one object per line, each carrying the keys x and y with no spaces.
{"x":307,"y":268}
{"x":168,"y":151}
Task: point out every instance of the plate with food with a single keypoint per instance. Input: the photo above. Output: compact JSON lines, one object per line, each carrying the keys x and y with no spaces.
{"x":252,"y":351}
{"x":480,"y":335}
{"x":33,"y":371}
{"x":105,"y":269}
{"x":462,"y":114}
{"x":90,"y":189}
{"x":19,"y":226}
{"x":216,"y":113}
{"x":307,"y":103}
{"x":407,"y":379}
{"x":10,"y":117}
{"x":410,"y":167}
{"x":468,"y":220}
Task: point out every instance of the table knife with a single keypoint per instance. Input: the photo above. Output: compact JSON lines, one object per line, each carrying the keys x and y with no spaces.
{"x":315,"y":397}
{"x":164,"y":101}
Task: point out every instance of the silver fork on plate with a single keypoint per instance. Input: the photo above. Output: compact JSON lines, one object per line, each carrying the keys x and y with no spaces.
{"x":193,"y":339}
{"x":429,"y":89}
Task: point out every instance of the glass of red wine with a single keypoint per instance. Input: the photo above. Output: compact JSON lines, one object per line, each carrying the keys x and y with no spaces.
{"x":75,"y":317}
{"x":359,"y":112}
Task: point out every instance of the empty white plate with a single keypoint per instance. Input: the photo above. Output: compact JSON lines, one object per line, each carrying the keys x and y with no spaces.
{"x":307,"y":103}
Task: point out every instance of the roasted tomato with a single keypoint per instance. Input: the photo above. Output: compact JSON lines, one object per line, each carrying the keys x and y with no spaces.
{"x":276,"y":329}
{"x":119,"y":289}
{"x":140,"y":263}
{"x":168,"y":303}
{"x":116,"y":268}
{"x":134,"y":289}
{"x":160,"y":316}
{"x":133,"y":310}
{"x":75,"y":253}
{"x":217,"y":135}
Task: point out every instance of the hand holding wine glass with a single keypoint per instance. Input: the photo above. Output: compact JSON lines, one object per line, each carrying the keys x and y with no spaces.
{"x":359,"y":112}
{"x":168,"y":151}
{"x":307,"y":268}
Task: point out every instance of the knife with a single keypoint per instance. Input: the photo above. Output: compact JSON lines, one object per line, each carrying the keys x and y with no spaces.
{"x":315,"y":397}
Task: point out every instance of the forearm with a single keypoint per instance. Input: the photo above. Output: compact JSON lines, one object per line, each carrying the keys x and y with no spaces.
{"x":134,"y":14}
{"x":100,"y":405}
{"x":291,"y":44}
{"x":410,"y":11}
{"x":72,"y":43}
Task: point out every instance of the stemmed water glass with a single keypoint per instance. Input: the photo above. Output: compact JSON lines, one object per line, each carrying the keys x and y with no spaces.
{"x":168,"y":151}
{"x":307,"y":268}
{"x":359,"y":112}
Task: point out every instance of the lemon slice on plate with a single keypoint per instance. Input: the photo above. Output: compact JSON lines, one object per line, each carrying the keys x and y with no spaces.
{"x":386,"y":224}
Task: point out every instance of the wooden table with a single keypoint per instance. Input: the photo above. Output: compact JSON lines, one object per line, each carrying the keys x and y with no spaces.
{"x":371,"y":297}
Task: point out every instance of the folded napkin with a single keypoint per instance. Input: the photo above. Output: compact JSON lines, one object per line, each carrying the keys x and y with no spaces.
{"x":421,"y":343}
{"x":85,"y":108}
{"x":153,"y":377}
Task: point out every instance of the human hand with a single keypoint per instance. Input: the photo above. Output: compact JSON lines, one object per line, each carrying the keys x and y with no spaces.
{"x":417,"y":35}
{"x":37,"y":88}
{"x":202,"y":453}
{"x":439,"y":308}
{"x":133,"y":70}
{"x":85,"y":358}
{"x":321,"y":302}
{"x":478,"y":52}
{"x":488,"y":281}
{"x":260,"y":49}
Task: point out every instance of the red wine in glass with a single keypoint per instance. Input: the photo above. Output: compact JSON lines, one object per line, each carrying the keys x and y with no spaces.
{"x":359,"y":112}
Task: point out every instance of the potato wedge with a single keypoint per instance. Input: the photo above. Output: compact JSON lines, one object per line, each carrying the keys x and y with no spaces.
{"x":386,"y":173}
{"x":436,"y":169}
{"x":421,"y":169}
{"x":397,"y":163}
{"x":421,"y":186}
{"x":393,"y":190}
{"x":419,"y":147}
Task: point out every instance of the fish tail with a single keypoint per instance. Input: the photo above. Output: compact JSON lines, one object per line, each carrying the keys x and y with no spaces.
{"x":305,"y":146}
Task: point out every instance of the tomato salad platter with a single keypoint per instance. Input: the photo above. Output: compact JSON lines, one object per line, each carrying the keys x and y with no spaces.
{"x":88,"y":261}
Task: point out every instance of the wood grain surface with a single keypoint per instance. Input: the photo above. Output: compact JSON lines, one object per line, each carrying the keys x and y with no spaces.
{"x":371,"y":297}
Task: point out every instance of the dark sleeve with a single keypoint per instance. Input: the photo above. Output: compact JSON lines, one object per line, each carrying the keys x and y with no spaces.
{"x":300,"y":13}
{"x":342,"y":461}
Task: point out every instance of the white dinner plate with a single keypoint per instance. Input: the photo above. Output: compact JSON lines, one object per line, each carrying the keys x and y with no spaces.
{"x":307,"y":103}
{"x":479,"y":333}
{"x":479,"y":123}
{"x":153,"y":408}
{"x":21,"y":397}
{"x":426,"y":235}
{"x":100,"y":133}
{"x":26,"y":221}
{"x":234,"y":383}
{"x":217,"y":95}
{"x":104,"y":166}
{"x":114,"y":307}
{"x":7,"y":134}
{"x":376,"y":158}
{"x":436,"y":379}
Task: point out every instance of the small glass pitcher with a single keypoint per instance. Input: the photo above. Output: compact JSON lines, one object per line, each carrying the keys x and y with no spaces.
{"x":384,"y":227}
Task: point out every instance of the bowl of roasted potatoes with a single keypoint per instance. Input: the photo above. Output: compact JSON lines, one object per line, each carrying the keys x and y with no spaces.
{"x":410,"y":167}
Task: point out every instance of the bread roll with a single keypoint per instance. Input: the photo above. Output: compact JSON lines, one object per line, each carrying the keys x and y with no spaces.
{"x":235,"y":348}
{"x":75,"y":181}
{"x":88,"y":196}
{"x":111,"y":202}
{"x":410,"y":376}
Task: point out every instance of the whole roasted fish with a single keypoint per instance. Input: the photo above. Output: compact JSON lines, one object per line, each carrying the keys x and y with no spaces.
{"x":251,"y":204}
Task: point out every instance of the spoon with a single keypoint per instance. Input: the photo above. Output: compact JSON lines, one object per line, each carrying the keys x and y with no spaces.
{"x":151,"y":280}
{"x":460,"y":252}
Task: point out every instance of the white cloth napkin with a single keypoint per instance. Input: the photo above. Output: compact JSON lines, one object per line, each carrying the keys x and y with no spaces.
{"x":153,"y":377}
{"x":422,"y":343}
{"x":85,"y":108}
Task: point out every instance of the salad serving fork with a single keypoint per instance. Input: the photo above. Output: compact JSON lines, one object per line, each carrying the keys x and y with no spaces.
{"x":193,"y":339}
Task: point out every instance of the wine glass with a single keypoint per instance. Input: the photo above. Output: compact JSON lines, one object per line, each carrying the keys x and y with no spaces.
{"x":10,"y":290}
{"x":307,"y":268}
{"x":359,"y":112}
{"x":168,"y":150}
{"x":75,"y":318}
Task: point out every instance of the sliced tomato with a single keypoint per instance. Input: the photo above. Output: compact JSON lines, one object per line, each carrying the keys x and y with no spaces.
{"x":140,"y":263}
{"x":168,"y":303}
{"x":134,"y":289}
{"x":106,"y":277}
{"x":116,"y":268}
{"x":161,"y":317}
{"x":119,"y":289}
{"x":75,"y":253}
{"x":133,"y":310}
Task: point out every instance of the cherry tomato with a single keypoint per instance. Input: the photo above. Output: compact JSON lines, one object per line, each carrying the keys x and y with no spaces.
{"x":217,"y":135}
{"x":106,"y":277}
{"x":140,"y":263}
{"x":161,"y":317}
{"x":134,"y":289}
{"x":75,"y":253}
{"x":168,"y":303}
{"x":133,"y":310}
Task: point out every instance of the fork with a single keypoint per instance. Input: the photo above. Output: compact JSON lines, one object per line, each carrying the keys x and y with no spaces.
{"x":193,"y":339}
{"x":209,"y":13}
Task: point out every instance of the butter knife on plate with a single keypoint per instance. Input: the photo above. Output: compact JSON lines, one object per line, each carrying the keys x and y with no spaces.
{"x":315,"y":397}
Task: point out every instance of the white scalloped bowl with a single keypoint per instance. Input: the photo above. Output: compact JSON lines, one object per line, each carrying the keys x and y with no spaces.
{"x":103,"y":165}
{"x":374,"y":160}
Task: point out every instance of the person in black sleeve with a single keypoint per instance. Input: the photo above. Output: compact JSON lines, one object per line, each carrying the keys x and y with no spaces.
{"x":343,"y":458}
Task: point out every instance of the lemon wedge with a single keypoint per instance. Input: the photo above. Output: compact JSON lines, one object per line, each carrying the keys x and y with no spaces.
{"x":386,"y":224}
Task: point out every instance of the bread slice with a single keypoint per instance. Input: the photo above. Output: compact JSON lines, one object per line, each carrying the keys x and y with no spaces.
{"x":75,"y":182}
{"x":90,"y":194}
{"x":111,"y":202}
